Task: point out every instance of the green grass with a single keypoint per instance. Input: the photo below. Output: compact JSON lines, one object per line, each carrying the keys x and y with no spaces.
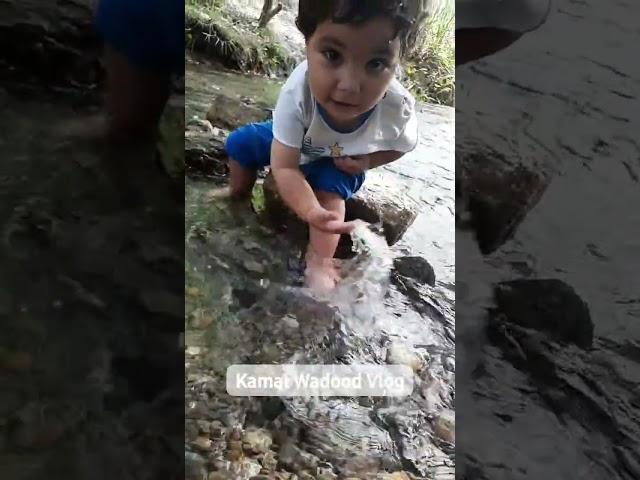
{"x":431,"y":65}
{"x":249,"y":49}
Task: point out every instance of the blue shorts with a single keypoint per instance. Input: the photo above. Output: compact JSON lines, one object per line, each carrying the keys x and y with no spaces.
{"x":149,"y":33}
{"x":250,"y":146}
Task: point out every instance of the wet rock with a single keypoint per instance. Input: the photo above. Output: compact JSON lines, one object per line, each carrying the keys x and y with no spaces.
{"x":193,"y":350}
{"x":200,"y":319}
{"x":256,"y":440}
{"x":290,"y":322}
{"x":203,"y":427}
{"x":202,"y":444}
{"x":496,"y":194}
{"x":231,"y":113}
{"x":198,"y":125}
{"x":399,"y":354}
{"x":326,"y":474}
{"x":218,"y":476}
{"x":246,"y":469}
{"x":197,"y":410}
{"x":245,"y":296}
{"x":217,"y":463}
{"x":393,"y":476}
{"x":269,"y":461}
{"x":416,"y":268}
{"x":254,"y":267}
{"x":234,"y":453}
{"x":376,"y":202}
{"x":380,"y":200}
{"x":444,"y":426}
{"x":547,"y":305}
{"x":295,"y":459}
{"x":272,"y":407}
{"x":217,"y":429}
{"x":195,"y":468}
{"x":204,"y":155}
{"x":191,"y":430}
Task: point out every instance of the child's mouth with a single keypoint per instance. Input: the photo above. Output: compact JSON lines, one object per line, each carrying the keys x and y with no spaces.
{"x":343,"y":104}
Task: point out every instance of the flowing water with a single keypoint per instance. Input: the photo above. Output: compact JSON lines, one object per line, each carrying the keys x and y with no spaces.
{"x":567,"y":98}
{"x":245,"y":304}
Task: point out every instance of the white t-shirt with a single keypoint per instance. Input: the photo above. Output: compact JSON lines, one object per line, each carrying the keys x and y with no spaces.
{"x":297,"y":123}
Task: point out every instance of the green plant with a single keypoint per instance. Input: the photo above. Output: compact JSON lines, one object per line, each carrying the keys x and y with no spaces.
{"x":430,"y":67}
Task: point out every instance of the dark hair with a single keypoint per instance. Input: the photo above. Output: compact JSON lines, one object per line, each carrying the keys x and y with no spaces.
{"x":407,"y":15}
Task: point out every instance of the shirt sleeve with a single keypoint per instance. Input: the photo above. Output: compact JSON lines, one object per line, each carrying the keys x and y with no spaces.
{"x":288,"y":116}
{"x":408,"y":139}
{"x":404,"y":137}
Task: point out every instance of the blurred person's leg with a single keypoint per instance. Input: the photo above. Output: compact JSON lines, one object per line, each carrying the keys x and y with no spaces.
{"x":134,"y":100}
{"x":143,"y":48}
{"x":476,"y":43}
{"x":484,"y":27}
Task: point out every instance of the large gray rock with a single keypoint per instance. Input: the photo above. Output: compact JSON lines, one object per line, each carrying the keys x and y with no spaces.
{"x":496,"y":193}
{"x":375,"y":202}
{"x":546,"y":305}
{"x":204,"y":155}
{"x":230,"y":113}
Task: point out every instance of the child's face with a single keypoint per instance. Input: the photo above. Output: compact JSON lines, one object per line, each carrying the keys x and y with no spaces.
{"x":350,"y":67}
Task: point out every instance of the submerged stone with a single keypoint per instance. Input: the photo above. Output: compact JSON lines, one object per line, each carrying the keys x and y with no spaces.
{"x":548,"y":305}
{"x":416,"y":268}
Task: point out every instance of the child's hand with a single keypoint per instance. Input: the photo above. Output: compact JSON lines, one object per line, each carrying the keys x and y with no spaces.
{"x":328,"y":221}
{"x":353,"y":165}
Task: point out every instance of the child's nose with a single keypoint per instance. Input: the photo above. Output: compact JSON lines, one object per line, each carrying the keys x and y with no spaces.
{"x":349,"y":80}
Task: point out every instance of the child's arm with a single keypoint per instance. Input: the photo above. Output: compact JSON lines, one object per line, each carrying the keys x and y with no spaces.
{"x":356,"y":164}
{"x":298,"y":194}
{"x":377,"y":159}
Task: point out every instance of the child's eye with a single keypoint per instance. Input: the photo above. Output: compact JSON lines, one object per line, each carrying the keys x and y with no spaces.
{"x":378,"y":64}
{"x":331,"y":55}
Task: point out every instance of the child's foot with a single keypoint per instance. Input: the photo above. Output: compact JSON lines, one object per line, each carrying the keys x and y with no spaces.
{"x":321,"y":274}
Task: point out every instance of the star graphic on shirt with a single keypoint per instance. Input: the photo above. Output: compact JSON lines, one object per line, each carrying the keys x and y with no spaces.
{"x":336,"y":150}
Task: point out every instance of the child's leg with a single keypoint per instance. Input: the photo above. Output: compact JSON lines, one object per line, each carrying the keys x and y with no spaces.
{"x":332,"y":188}
{"x":321,"y":274}
{"x":241,"y":180}
{"x":249,"y":150}
{"x":135,"y":99}
{"x":322,"y":243}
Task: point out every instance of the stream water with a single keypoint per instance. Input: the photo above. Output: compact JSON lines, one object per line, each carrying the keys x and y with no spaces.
{"x":245,"y":305}
{"x":579,"y":119}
